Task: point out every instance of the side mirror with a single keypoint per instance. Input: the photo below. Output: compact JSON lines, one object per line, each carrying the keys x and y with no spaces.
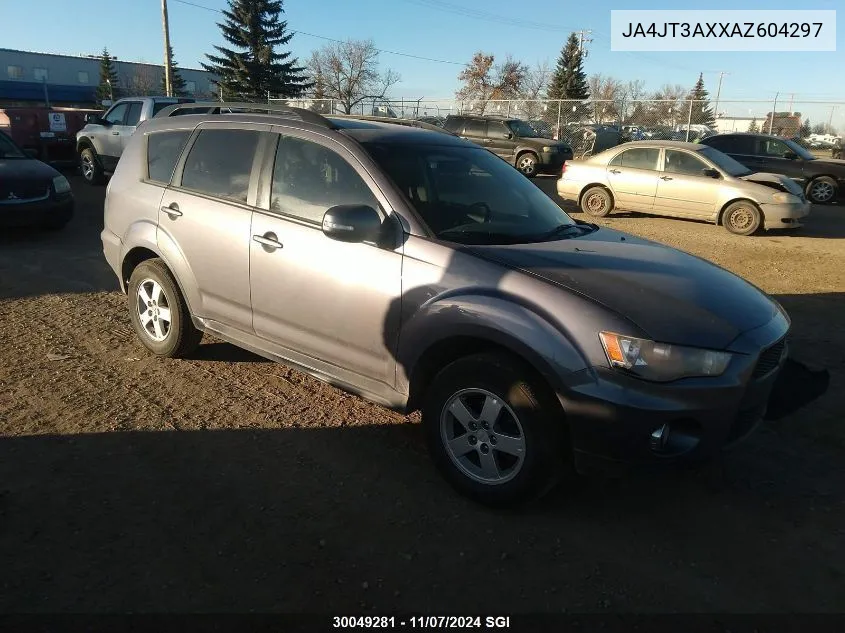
{"x":509,"y":135}
{"x":352,"y":223}
{"x":790,"y":155}
{"x":94,"y":119}
{"x":710,"y":172}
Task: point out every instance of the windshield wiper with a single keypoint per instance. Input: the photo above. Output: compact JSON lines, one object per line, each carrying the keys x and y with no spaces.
{"x":563,"y":229}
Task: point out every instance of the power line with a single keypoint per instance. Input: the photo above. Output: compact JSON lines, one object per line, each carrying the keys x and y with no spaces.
{"x":488,"y":16}
{"x":332,"y":39}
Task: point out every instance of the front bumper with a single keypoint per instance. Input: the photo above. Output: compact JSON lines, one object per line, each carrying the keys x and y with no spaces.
{"x":784,"y":216}
{"x":50,"y":211}
{"x":618,"y":419}
{"x":552,"y":162}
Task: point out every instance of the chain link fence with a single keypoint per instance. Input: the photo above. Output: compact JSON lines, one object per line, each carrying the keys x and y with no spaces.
{"x":817,"y":124}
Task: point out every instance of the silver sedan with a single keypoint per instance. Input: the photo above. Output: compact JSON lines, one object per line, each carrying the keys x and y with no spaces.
{"x":683,"y":180}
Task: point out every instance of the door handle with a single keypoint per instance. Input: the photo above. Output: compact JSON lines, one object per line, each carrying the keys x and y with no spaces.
{"x":173,"y":210}
{"x":665,"y":178}
{"x":615,"y":171}
{"x":115,"y":133}
{"x":269,"y":240}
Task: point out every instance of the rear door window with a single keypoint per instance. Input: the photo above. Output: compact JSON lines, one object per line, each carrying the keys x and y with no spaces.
{"x":475,"y":127}
{"x":163,"y":150}
{"x":134,"y":113}
{"x":220,"y":163}
{"x":637,"y":158}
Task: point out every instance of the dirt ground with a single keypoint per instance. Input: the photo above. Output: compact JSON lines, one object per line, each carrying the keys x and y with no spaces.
{"x":227,"y":483}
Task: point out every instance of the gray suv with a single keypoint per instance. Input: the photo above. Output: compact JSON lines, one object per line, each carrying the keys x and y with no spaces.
{"x":419,"y":271}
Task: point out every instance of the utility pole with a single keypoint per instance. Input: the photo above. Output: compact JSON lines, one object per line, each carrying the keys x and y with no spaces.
{"x":774,"y":109}
{"x":581,"y":39}
{"x":168,"y":76}
{"x":791,"y":98}
{"x":830,"y":120}
{"x":718,"y":93}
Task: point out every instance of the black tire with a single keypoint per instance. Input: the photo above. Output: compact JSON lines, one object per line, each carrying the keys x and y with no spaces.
{"x":528,"y":163}
{"x":822,"y":190}
{"x":541,"y":426}
{"x":89,"y":166}
{"x":597,"y":202}
{"x":742,"y":217}
{"x":181,"y":337}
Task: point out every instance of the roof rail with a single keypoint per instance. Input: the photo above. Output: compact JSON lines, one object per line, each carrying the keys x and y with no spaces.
{"x":395,"y":120}
{"x":236,"y":107}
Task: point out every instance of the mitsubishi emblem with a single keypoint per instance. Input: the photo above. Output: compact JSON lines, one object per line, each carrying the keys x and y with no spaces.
{"x":12,"y":196}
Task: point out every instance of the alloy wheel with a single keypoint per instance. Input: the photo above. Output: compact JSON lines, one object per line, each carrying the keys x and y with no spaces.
{"x":482,"y":436}
{"x":821,"y":191}
{"x":153,"y":310}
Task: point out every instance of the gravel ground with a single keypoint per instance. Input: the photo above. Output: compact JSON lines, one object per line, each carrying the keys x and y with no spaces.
{"x":227,"y":483}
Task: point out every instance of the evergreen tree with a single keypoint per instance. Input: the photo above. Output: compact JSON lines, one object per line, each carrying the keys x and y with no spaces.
{"x":806,"y":128}
{"x":569,"y":81}
{"x":175,"y":78}
{"x":255,"y":66}
{"x":754,"y":127}
{"x":108,"y":73}
{"x":702,"y":113}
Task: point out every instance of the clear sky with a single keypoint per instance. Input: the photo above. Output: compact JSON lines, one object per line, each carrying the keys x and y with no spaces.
{"x":448,"y":30}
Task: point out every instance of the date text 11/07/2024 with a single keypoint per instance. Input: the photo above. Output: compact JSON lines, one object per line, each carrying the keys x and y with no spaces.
{"x":421,"y":622}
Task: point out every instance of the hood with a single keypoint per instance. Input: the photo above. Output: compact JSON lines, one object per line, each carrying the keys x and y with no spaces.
{"x":775,"y":181}
{"x":540,"y":141}
{"x":29,"y":170}
{"x":831,"y":161}
{"x":671,"y":295}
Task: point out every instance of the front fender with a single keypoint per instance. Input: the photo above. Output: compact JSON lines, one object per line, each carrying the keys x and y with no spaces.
{"x":499,"y":320}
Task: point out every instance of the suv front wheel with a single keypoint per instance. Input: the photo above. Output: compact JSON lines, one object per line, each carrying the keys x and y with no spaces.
{"x":492,"y":432}
{"x":89,"y":164}
{"x":527,"y":163}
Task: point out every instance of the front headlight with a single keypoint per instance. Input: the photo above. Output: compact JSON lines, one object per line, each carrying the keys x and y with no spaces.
{"x":787,"y":198}
{"x":61,"y":185}
{"x":661,"y":362}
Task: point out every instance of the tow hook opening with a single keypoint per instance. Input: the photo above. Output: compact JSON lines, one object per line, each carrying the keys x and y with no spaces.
{"x":675,"y":438}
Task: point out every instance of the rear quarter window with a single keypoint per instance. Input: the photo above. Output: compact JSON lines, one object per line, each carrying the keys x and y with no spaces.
{"x":163,"y":150}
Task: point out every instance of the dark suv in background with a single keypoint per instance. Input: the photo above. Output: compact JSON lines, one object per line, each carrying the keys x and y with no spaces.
{"x":823,"y":179}
{"x":514,"y":140}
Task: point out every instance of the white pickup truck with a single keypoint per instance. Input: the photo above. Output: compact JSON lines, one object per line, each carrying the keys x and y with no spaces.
{"x":100,"y":143}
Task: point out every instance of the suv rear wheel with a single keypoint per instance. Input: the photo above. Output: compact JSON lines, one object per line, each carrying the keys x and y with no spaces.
{"x":159,"y":312}
{"x":92,"y":172}
{"x":527,"y":163}
{"x":491,"y":431}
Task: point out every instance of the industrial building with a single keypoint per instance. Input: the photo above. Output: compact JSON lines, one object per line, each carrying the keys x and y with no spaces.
{"x":31,"y":78}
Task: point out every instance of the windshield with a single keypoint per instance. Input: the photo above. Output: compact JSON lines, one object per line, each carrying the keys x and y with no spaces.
{"x":523,"y":129}
{"x":8,"y":149}
{"x":795,"y":147}
{"x":471,"y":196}
{"x":724,"y":162}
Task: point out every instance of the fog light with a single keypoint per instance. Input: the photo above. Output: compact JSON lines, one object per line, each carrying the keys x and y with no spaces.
{"x":659,"y":438}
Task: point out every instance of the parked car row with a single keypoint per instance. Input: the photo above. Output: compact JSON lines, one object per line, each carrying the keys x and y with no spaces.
{"x":417,"y":269}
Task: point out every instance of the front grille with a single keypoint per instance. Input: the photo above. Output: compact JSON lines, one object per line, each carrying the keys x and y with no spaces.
{"x":23,"y":191}
{"x":769,"y":359}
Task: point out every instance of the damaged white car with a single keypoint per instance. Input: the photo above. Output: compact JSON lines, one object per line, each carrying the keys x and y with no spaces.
{"x":683,"y":180}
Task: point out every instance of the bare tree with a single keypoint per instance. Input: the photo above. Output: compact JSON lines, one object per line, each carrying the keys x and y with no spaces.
{"x":144,"y":82}
{"x":537,"y":81}
{"x":606,"y":93}
{"x":668,"y":108}
{"x":477,"y":81}
{"x":633,"y":93}
{"x":348,"y":72}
